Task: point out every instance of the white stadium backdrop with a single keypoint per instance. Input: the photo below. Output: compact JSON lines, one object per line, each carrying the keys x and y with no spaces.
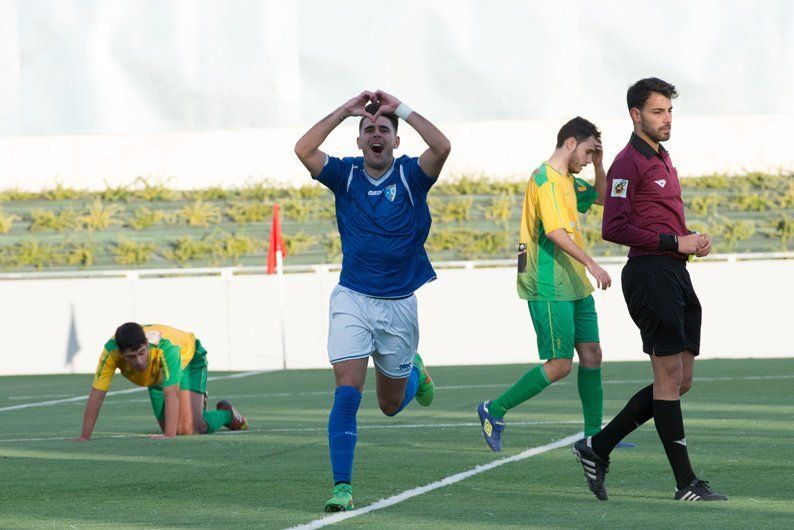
{"x":205,"y":92}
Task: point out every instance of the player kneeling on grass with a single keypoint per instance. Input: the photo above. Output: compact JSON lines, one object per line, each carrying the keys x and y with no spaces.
{"x":173,"y":365}
{"x":551,"y":277}
{"x":383,"y":219}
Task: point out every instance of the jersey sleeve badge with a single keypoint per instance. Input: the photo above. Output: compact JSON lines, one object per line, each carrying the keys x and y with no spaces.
{"x":619,"y":188}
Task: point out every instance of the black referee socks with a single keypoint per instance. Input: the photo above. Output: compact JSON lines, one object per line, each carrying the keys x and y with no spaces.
{"x":670,"y":426}
{"x":637,"y":411}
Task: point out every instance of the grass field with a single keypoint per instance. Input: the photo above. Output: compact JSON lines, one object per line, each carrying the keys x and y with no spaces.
{"x":738,"y":417}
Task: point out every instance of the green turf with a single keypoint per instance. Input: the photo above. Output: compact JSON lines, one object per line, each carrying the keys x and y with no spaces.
{"x":739,"y":430}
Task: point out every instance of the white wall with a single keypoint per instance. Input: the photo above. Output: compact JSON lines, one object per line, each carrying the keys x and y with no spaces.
{"x":468,"y":316}
{"x":188,"y":160}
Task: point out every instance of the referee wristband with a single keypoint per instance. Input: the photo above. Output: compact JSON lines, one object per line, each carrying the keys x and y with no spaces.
{"x":668,"y":242}
{"x":403,"y":111}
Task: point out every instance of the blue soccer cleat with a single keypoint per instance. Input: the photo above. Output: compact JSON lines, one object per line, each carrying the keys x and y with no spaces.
{"x":491,"y":427}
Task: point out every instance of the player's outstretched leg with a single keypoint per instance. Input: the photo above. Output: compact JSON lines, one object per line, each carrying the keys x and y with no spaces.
{"x":491,"y":427}
{"x":492,"y":413}
{"x":234,"y":421}
{"x":342,"y":434}
{"x":427,"y":389}
{"x":595,"y":467}
{"x":698,"y":490}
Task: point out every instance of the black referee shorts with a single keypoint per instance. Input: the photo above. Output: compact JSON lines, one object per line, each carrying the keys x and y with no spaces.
{"x":663,"y":304}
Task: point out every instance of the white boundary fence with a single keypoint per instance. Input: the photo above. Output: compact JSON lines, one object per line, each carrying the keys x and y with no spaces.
{"x":54,"y":322}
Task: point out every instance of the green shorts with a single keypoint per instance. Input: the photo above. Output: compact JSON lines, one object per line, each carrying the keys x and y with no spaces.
{"x":194,"y":378}
{"x":560,"y":325}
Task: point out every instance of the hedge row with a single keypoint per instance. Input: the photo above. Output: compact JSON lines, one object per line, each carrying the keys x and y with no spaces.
{"x":149,"y":224}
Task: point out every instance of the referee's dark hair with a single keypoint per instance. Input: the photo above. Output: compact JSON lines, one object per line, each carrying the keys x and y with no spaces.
{"x":372,"y":108}
{"x":578,"y":128}
{"x":130,"y":336}
{"x":640,"y":91}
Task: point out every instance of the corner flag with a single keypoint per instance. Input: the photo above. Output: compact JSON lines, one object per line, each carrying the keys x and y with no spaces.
{"x":276,"y":243}
{"x":275,"y":255}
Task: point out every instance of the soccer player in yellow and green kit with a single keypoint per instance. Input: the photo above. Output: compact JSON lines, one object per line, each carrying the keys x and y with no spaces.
{"x":552,"y":278}
{"x":173,"y":365}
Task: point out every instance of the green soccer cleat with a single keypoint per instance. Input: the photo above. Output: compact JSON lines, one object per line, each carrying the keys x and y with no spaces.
{"x":342,"y":500}
{"x":427,"y":389}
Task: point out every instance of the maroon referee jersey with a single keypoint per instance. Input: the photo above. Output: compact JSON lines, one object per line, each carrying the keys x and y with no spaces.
{"x":643,"y":208}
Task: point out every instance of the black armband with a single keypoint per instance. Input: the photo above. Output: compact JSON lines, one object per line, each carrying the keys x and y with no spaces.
{"x":668,"y":242}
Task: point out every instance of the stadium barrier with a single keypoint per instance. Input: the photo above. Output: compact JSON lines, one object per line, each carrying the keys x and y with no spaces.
{"x":58,"y":322}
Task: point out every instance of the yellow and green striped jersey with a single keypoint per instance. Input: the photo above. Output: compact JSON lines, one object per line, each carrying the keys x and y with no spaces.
{"x":170,"y":350}
{"x":552,"y":201}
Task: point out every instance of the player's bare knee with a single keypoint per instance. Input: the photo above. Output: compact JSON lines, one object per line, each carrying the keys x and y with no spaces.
{"x":557,"y":369}
{"x":589,"y":354}
{"x":685,"y":386}
{"x":388,"y":406}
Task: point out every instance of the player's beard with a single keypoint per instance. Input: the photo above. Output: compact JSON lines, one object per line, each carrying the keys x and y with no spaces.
{"x":657,"y":135}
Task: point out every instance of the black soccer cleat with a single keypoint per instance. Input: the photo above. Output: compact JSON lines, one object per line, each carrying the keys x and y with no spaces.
{"x":699,"y":490}
{"x":595,"y":467}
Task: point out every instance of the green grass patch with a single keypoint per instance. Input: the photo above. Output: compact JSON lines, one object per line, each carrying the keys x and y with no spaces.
{"x":277,"y":474}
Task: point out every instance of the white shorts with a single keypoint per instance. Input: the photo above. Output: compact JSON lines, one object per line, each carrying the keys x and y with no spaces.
{"x":360,"y":326}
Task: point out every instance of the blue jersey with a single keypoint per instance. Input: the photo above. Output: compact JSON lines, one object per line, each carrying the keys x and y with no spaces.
{"x":383,"y":225}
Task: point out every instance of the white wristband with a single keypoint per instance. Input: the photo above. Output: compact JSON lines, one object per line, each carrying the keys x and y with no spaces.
{"x":403,"y":111}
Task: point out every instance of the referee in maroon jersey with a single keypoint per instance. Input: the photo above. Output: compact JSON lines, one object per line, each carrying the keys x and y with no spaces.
{"x":643,"y":210}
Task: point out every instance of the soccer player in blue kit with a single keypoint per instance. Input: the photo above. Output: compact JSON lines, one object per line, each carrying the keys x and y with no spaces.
{"x":383,"y":220}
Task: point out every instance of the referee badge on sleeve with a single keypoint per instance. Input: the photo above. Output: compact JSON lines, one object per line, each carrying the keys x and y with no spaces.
{"x":620,"y":187}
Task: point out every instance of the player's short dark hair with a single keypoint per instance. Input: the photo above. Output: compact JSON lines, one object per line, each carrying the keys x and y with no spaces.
{"x":372,"y":108}
{"x":578,"y":128}
{"x":130,"y":336}
{"x":640,"y":91}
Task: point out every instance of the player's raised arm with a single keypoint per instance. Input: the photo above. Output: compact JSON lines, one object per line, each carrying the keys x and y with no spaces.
{"x":95,"y":399}
{"x":438,"y":145}
{"x":600,"y":183}
{"x":308,"y":147}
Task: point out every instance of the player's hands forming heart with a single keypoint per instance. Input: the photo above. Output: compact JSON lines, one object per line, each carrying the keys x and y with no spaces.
{"x":355,"y":107}
{"x":388,"y":103}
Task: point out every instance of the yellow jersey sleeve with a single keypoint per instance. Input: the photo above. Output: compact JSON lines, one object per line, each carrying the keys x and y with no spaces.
{"x":106,"y":368}
{"x":549,"y":207}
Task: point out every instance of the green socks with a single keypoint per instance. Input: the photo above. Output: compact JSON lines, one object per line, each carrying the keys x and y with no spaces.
{"x":216,"y":419}
{"x":534,"y":381}
{"x":592,"y":395}
{"x":531,"y":384}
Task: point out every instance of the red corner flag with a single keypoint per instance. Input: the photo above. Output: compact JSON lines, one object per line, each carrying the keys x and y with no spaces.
{"x":276,"y":242}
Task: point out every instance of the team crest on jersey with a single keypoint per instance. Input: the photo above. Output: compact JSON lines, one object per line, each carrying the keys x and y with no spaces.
{"x":620,"y":187}
{"x":391,"y":192}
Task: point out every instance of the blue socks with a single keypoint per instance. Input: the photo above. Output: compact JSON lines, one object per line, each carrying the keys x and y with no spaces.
{"x":342,"y":432}
{"x":410,"y":389}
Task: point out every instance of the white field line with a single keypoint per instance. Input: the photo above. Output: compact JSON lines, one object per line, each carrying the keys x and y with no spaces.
{"x":328,"y":392}
{"x":452,"y":479}
{"x":119,"y":392}
{"x":299,"y":429}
